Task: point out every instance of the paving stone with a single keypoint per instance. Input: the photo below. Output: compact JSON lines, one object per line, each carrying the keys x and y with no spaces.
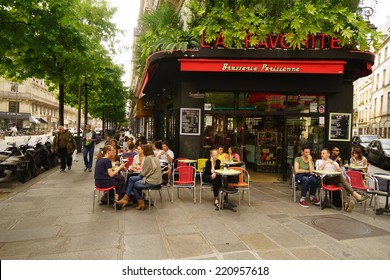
{"x":257,"y":241}
{"x":35,"y":222}
{"x":29,"y":234}
{"x":240,"y":256}
{"x":231,"y":247}
{"x":98,"y":254}
{"x":280,"y":254}
{"x":188,"y":245}
{"x":145,"y":247}
{"x":91,"y":242}
{"x":180,"y":229}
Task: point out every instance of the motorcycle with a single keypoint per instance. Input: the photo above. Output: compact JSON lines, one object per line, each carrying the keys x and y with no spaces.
{"x":11,"y":164}
{"x":53,"y":157}
{"x":11,"y":150}
{"x":31,"y":165}
{"x":44,"y":155}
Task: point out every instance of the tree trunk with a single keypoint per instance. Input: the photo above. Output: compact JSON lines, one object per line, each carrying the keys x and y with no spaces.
{"x":61,"y":104}
{"x":86,"y":103}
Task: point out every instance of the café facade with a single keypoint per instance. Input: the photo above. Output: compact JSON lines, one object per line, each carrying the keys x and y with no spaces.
{"x":268,"y":101}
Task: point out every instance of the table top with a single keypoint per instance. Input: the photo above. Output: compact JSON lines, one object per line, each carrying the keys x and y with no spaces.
{"x":137,"y":171}
{"x":125,"y":159}
{"x":230,"y":162}
{"x":327,"y":172}
{"x":382,"y":176}
{"x":228,"y":172}
{"x":353,"y":166}
{"x":187,"y":160}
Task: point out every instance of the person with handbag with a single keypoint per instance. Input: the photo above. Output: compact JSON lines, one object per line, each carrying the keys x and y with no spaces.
{"x":150,"y":175}
{"x":64,"y":144}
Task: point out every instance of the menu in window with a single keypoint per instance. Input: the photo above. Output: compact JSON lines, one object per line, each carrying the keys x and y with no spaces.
{"x":339,"y":126}
{"x":189,"y":121}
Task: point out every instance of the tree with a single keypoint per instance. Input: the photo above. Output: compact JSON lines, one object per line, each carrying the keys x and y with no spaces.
{"x":57,"y":40}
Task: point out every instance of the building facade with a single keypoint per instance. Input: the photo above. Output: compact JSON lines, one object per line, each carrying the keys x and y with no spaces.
{"x":32,"y":107}
{"x":372,"y":93}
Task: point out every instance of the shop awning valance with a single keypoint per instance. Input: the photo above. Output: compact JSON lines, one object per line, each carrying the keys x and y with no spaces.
{"x":263,"y":66}
{"x":42,"y":120}
{"x":33,"y":120}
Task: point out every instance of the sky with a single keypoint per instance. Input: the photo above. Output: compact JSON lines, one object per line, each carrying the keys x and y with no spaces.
{"x":127,"y":15}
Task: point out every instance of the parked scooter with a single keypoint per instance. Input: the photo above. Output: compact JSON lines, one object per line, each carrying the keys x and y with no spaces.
{"x":43,"y":152}
{"x":11,"y":164}
{"x":11,"y":150}
{"x":53,"y":157}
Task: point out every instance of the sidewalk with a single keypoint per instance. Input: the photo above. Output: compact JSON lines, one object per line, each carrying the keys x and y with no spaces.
{"x":53,"y":220}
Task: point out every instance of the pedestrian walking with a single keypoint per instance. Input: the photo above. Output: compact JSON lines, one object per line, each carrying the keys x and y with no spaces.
{"x":64,"y":144}
{"x":89,"y":140}
{"x":14,"y":130}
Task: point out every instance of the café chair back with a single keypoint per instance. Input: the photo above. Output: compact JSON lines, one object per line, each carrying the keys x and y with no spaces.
{"x":167,"y":177}
{"x":356,"y":180}
{"x":185,"y":179}
{"x":108,"y":196}
{"x":203,"y":185}
{"x":325,"y":189}
{"x":295,"y":185}
{"x":201,"y":163}
{"x":243,"y":184}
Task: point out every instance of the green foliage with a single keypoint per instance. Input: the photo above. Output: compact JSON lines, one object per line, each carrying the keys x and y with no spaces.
{"x":61,"y":41}
{"x":161,"y":30}
{"x":296,"y":18}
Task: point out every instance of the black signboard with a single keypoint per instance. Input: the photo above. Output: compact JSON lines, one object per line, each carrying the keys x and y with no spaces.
{"x":189,"y":121}
{"x":339,"y":126}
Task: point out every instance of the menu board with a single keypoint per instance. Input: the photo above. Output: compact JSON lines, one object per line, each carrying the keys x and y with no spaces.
{"x":189,"y":121}
{"x":339,"y":126}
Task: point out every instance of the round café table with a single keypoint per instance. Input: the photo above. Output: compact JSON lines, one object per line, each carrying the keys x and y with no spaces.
{"x":230,"y":163}
{"x":387,"y":178}
{"x":355,"y":167}
{"x":224,"y":173}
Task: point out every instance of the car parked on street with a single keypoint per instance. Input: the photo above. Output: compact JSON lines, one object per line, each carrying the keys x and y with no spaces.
{"x":362,"y":141}
{"x":378,"y":153}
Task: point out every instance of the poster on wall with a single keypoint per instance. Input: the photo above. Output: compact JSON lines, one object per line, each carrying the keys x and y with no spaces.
{"x":189,"y":121}
{"x":339,"y":127}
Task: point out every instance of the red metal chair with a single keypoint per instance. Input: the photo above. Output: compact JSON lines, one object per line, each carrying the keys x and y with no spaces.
{"x":108,"y":196}
{"x":185,"y":179}
{"x":355,"y":178}
{"x":329,"y":188}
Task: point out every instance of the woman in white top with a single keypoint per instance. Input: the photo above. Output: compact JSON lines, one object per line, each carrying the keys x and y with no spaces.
{"x":358,"y":159}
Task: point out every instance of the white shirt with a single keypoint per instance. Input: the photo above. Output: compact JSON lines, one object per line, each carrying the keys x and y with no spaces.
{"x":328,"y":166}
{"x":164,"y":158}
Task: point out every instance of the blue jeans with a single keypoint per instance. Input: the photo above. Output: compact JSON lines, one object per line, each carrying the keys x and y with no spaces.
{"x":130,"y":184}
{"x":140,"y":186}
{"x":305,"y":181}
{"x":88,"y":156}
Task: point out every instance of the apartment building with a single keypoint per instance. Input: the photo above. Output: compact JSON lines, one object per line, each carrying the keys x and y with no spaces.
{"x":372,"y":93}
{"x":32,"y":107}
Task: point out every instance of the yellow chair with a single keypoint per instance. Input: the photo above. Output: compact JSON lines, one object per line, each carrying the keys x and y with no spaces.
{"x":200,"y":165}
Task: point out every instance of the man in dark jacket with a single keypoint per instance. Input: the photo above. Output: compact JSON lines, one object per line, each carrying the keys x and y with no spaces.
{"x":64,"y":144}
{"x":89,"y":140}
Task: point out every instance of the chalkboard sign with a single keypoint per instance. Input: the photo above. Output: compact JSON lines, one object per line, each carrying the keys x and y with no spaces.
{"x":339,"y":126}
{"x":189,"y":121}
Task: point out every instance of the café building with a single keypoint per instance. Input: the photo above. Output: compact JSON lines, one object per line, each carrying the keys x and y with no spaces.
{"x":268,"y":101}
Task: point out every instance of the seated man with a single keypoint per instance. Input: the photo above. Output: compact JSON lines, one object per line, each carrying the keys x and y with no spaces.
{"x":303,"y":169}
{"x":221,"y":154}
{"x":166,"y":156}
{"x":325,"y":163}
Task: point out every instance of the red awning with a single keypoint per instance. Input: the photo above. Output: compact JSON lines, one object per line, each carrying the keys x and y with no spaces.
{"x":263,"y":66}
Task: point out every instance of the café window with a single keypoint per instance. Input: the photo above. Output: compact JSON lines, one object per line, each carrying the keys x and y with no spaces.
{"x":13,"y":107}
{"x":265,"y":102}
{"x":220,"y":100}
{"x":305,"y":103}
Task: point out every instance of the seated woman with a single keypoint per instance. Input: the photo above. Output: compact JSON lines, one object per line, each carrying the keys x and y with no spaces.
{"x":105,"y":175}
{"x":150,"y":175}
{"x":303,"y":169}
{"x":114,"y":144}
{"x":358,"y":159}
{"x":210,"y":176}
{"x":138,"y":159}
{"x":232,"y":155}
